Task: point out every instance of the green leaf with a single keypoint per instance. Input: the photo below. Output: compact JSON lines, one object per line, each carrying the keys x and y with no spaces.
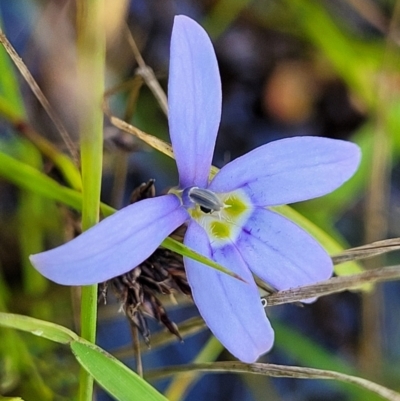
{"x":32,"y":179}
{"x":40,"y":328}
{"x":111,"y":374}
{"x":117,"y":379}
{"x":91,"y":49}
{"x":33,"y":210}
{"x":17,"y":360}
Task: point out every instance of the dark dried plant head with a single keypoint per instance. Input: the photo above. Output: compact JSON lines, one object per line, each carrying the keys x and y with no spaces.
{"x":163,"y":273}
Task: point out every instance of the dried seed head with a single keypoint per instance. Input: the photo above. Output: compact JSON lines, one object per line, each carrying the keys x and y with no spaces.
{"x":162,"y":273}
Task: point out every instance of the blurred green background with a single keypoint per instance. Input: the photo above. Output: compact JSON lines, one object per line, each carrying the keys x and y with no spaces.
{"x":294,"y":67}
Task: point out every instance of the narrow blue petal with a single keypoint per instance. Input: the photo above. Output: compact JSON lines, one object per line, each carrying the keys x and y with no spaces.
{"x":231,"y":309}
{"x":194,"y":99}
{"x":115,"y":245}
{"x":290,"y":170}
{"x":281,"y":253}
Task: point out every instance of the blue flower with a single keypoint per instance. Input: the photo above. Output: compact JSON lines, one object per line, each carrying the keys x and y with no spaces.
{"x":228,"y":219}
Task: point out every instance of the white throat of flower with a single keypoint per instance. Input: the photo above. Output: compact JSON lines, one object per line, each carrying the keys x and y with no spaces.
{"x":222,"y":215}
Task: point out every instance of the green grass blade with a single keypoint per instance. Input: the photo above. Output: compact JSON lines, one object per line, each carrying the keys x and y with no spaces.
{"x":31,"y":214}
{"x":40,"y":328}
{"x":111,"y":374}
{"x":27,"y":177}
{"x":16,"y":358}
{"x":91,"y":49}
{"x":117,"y":379}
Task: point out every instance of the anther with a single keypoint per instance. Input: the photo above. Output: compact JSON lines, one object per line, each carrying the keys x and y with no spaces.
{"x":206,"y":199}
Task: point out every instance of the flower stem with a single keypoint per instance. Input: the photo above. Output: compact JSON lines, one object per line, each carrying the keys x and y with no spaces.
{"x":91,"y":60}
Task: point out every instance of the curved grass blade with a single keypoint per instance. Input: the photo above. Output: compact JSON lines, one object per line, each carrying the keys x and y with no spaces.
{"x":40,"y":328}
{"x":111,"y":374}
{"x":117,"y":379}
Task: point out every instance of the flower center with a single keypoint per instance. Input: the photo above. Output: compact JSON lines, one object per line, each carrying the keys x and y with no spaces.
{"x":221,"y":215}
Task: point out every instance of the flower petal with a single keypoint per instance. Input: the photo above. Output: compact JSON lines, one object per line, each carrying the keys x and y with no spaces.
{"x":194,"y":99}
{"x":231,"y":308}
{"x":115,"y":245}
{"x":281,"y":253}
{"x":290,"y":170}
